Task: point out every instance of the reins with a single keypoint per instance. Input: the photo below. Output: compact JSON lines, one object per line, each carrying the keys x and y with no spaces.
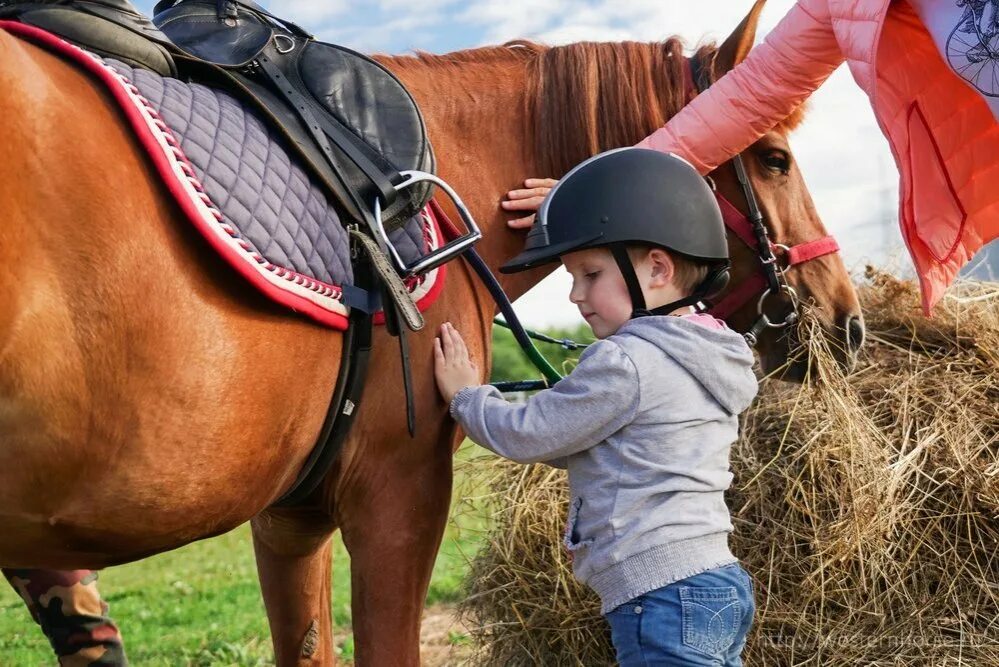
{"x":521,"y":335}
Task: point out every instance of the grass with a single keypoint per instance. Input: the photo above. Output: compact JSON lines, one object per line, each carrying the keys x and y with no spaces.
{"x":201,"y":605}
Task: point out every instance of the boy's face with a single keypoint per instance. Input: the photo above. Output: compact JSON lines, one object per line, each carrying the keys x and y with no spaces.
{"x":598,"y":290}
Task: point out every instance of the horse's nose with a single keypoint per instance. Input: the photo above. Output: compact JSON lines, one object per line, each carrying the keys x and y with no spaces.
{"x":854,"y":333}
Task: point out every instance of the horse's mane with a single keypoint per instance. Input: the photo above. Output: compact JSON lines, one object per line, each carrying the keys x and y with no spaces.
{"x":589,"y":97}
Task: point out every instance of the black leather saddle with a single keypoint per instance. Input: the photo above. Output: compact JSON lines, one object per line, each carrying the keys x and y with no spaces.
{"x":364,"y":122}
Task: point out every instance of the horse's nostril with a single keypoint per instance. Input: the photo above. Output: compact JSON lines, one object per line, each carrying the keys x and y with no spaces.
{"x":854,"y":333}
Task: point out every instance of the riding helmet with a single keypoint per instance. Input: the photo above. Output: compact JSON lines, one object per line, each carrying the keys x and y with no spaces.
{"x":631,"y":196}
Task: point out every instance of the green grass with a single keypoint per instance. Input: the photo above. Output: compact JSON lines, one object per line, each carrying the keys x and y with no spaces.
{"x":201,"y":605}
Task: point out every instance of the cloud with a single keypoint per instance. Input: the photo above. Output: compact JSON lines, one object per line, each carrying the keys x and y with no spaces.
{"x":643,"y":20}
{"x":310,"y":14}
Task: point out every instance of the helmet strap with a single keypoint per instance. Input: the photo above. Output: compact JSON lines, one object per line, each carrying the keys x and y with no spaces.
{"x":713,"y":283}
{"x":620,"y":252}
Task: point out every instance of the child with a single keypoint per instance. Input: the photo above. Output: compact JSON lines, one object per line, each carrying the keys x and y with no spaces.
{"x":645,"y":421}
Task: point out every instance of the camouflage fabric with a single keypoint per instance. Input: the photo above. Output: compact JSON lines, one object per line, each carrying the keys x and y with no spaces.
{"x":69,"y":609}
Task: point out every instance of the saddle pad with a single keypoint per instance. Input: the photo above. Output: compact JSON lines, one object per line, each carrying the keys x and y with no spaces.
{"x":241,"y":190}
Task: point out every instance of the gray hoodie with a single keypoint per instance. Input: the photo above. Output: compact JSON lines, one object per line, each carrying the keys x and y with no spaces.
{"x":644,"y":425}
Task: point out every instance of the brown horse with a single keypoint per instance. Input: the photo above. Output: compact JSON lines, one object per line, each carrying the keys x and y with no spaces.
{"x":148,"y":398}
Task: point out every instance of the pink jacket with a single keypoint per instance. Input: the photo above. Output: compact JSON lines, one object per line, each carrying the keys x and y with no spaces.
{"x":942,"y":133}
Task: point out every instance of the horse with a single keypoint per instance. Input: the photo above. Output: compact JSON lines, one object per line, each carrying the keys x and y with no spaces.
{"x":149,"y":398}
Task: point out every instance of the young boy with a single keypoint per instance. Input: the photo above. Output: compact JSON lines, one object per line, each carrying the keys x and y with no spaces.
{"x":645,"y":422}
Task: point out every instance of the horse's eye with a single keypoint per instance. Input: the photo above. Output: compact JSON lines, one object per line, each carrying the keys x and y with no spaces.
{"x":776,"y":160}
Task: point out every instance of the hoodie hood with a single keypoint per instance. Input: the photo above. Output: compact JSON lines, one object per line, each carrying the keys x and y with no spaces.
{"x":717,"y":357}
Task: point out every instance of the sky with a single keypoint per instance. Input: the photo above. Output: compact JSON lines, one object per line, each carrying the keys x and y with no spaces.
{"x":844,"y":157}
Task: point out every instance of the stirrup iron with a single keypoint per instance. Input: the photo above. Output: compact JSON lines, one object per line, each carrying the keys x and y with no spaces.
{"x":443,"y":254}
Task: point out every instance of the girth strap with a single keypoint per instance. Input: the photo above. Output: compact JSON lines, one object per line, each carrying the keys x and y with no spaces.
{"x":346,"y":398}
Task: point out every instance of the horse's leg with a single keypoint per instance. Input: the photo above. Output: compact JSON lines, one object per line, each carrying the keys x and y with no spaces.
{"x":293,"y":553}
{"x":392,"y":508}
{"x":68,"y":607}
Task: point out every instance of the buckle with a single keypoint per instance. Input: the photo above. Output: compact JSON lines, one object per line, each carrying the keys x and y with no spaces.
{"x":443,"y":254}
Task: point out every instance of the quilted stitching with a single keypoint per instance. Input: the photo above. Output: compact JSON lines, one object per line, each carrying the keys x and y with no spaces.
{"x":253,"y":181}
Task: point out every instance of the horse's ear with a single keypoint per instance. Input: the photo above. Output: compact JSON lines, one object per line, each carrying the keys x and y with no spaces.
{"x":735,"y":49}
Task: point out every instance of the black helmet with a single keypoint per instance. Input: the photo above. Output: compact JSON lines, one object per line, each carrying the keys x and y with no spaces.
{"x":631,"y":196}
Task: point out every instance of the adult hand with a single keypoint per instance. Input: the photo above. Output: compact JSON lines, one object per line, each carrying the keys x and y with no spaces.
{"x":527,"y":199}
{"x":453,"y":367}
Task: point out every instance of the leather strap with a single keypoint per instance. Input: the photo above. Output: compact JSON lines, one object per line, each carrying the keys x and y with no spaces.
{"x":323,"y":130}
{"x":805,"y":252}
{"x":395,"y":328}
{"x":389,"y":278}
{"x":345,"y":401}
{"x":736,"y":222}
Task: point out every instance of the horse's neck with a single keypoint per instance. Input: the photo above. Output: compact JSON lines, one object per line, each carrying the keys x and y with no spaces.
{"x":476,"y":114}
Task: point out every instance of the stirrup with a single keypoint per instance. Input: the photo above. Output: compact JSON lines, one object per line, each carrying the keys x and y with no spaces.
{"x":443,"y":254}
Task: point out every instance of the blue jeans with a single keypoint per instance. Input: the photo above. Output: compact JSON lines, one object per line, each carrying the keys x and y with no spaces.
{"x":700,"y":620}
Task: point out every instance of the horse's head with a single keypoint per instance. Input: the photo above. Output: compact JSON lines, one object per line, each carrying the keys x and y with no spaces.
{"x":792,"y":222}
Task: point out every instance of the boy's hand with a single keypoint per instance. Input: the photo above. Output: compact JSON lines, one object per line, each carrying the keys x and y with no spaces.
{"x":452,"y":366}
{"x":529,"y":199}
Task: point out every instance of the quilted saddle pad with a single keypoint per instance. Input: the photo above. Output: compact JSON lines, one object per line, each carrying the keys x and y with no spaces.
{"x":239,"y":187}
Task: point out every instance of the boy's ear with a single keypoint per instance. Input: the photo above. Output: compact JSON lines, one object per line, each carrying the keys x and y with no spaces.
{"x":662,"y":267}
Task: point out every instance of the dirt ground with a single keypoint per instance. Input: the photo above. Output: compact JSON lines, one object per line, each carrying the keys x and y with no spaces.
{"x":444,"y":640}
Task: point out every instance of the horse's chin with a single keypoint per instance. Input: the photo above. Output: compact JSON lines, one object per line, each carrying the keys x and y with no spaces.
{"x":786,"y":359}
{"x":779,"y":366}
{"x":795,"y":371}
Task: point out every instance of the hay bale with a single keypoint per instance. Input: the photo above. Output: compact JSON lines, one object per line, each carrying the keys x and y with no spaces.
{"x":866,"y":508}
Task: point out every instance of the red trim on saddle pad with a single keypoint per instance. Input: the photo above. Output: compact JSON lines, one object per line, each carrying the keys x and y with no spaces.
{"x":317,"y":300}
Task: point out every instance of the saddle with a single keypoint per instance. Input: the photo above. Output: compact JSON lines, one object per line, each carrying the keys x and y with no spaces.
{"x":364,"y":121}
{"x":354,"y":124}
{"x":112,"y":28}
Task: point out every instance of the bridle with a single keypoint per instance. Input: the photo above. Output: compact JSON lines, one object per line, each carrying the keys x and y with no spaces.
{"x":770,"y":283}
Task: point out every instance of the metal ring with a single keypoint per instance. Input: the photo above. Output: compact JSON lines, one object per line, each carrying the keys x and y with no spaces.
{"x":784,"y":289}
{"x":277,"y":43}
{"x":780,"y":266}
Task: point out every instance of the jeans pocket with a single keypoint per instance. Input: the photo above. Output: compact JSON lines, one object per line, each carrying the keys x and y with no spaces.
{"x":711,"y":618}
